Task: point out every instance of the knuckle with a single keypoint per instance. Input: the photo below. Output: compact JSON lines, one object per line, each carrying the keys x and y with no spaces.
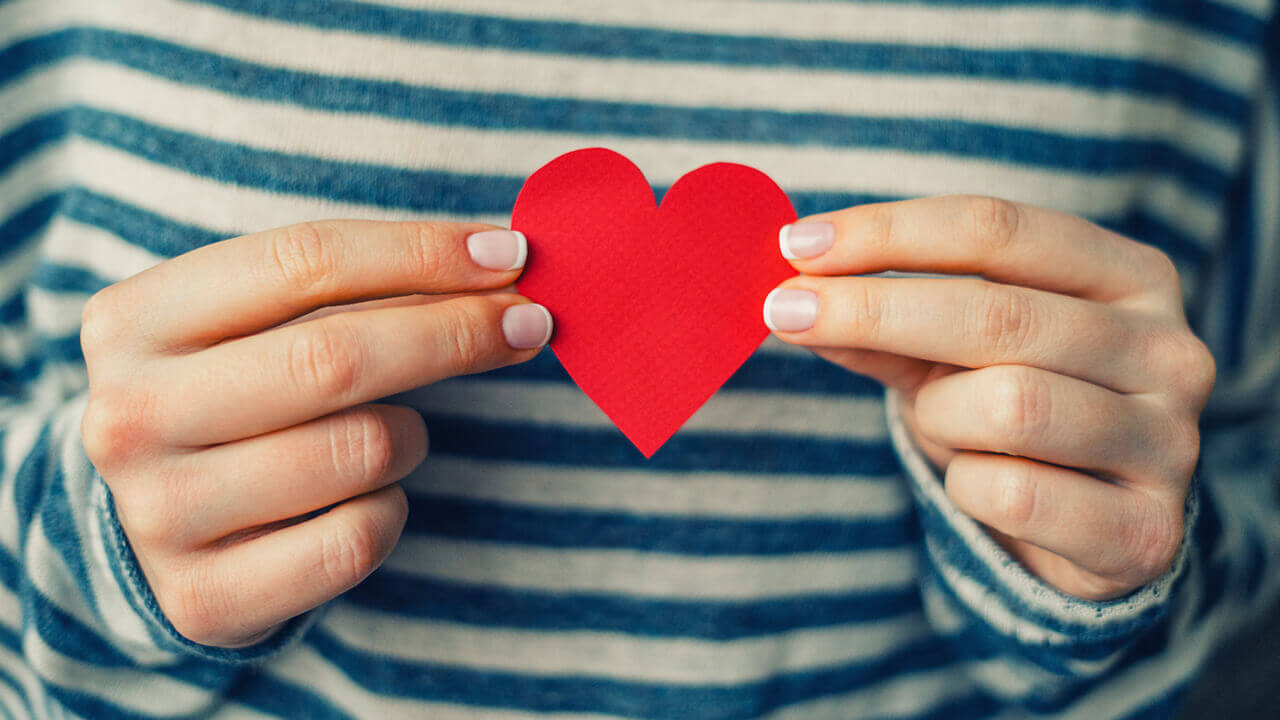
{"x":1159,"y":268}
{"x":1003,"y":320}
{"x":881,"y":220}
{"x":429,"y":251}
{"x":1185,"y":452}
{"x":326,"y":356}
{"x":465,"y":343}
{"x":350,"y":550}
{"x":994,"y":221}
{"x":1201,"y":370}
{"x":301,"y":255}
{"x":102,"y":322}
{"x":1152,"y":540}
{"x":150,"y":517}
{"x":114,"y":427}
{"x":362,"y":445}
{"x":1015,"y":497}
{"x":1017,"y":408}
{"x":867,"y":310}
{"x":190,"y":601}
{"x":1187,"y":364}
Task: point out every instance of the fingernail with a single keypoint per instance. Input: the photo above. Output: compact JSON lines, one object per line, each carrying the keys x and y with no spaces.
{"x":806,"y":239}
{"x":498,"y":249}
{"x":789,"y":310}
{"x":527,"y":326}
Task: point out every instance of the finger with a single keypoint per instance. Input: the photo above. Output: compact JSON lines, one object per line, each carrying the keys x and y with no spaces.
{"x":242,"y":285}
{"x":1108,"y":529}
{"x":1035,"y":413}
{"x":971,"y":323}
{"x":1000,"y":240}
{"x":265,"y":580}
{"x":901,"y":373}
{"x":394,"y":301}
{"x":299,"y":469}
{"x":289,"y":375}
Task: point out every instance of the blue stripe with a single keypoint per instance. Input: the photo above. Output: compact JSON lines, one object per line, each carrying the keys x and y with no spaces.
{"x":700,"y":536}
{"x":29,"y":482}
{"x":59,"y":527}
{"x":608,"y":448}
{"x":541,"y":610}
{"x":14,"y":310}
{"x":508,"y":111}
{"x":608,"y":696}
{"x":571,"y":38}
{"x":10,"y":571}
{"x":19,"y":228}
{"x":54,"y":276}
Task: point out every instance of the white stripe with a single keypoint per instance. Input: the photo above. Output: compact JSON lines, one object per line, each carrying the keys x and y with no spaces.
{"x":676,"y":661}
{"x":17,"y":343}
{"x":660,"y":492}
{"x":55,"y":313}
{"x":78,"y":245}
{"x":728,"y":411}
{"x":290,"y":128}
{"x":18,"y":265}
{"x":654,"y":575}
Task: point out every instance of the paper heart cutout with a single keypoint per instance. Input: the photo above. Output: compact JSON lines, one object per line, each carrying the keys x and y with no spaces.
{"x":655,"y":306}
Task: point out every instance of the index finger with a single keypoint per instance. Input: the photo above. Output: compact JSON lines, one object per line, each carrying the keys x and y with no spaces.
{"x":240,"y":286}
{"x":1000,"y":240}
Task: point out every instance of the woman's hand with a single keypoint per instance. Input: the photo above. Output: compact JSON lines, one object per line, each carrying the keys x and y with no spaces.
{"x":229,"y":401}
{"x":1059,"y":394}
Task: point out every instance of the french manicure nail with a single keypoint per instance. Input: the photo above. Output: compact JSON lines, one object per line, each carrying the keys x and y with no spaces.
{"x":803,"y":240}
{"x":498,"y":249}
{"x":527,"y":326}
{"x":788,"y":310}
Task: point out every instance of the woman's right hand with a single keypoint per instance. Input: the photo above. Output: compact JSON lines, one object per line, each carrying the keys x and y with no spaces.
{"x":229,"y":400}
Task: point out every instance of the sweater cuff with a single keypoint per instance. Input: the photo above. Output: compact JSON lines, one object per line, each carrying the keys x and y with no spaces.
{"x":981,"y":577}
{"x":128,"y":574}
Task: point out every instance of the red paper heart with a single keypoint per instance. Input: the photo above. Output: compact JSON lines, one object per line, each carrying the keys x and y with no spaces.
{"x":655,"y":306}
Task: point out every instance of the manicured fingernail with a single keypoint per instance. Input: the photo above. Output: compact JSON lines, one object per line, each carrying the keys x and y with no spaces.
{"x":806,"y":239}
{"x":498,"y":249}
{"x":789,"y":310}
{"x":527,"y":326}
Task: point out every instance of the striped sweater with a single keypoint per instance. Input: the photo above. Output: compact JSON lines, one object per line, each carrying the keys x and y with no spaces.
{"x":788,"y":554}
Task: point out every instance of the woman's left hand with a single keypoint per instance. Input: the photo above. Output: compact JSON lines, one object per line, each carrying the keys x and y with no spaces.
{"x":1059,"y":394}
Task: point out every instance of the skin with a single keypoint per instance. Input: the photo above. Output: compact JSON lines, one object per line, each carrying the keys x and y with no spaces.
{"x":230,"y":407}
{"x":1058,"y":393}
